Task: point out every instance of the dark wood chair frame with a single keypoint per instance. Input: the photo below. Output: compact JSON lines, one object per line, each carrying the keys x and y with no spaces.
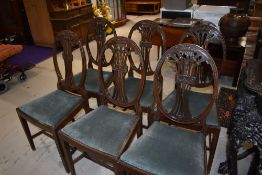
{"x":147,"y":29}
{"x":121,"y":48}
{"x":184,"y":82}
{"x":100,"y":25}
{"x":68,"y":40}
{"x":202,"y":34}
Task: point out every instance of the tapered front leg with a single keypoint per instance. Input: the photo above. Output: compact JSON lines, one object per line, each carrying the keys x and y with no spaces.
{"x":27,"y":132}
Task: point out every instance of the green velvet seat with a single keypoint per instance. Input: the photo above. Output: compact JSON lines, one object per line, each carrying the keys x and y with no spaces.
{"x":92,"y":80}
{"x":103,"y":129}
{"x":197,"y":103}
{"x":147,"y":97}
{"x":167,"y":150}
{"x":51,"y":108}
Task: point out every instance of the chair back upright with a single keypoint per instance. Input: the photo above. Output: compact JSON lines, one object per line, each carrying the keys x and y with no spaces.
{"x":98,"y":30}
{"x":184,"y":59}
{"x":118,"y":51}
{"x":203,"y":34}
{"x":147,"y":30}
{"x":68,"y":41}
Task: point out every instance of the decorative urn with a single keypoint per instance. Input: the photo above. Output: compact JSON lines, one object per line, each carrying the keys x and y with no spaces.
{"x":234,"y":24}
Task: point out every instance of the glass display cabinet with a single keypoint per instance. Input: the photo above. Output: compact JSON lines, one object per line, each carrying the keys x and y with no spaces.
{"x":117,"y":11}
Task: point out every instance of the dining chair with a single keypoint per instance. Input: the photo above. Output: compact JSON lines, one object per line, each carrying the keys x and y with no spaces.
{"x":96,"y":36}
{"x":205,"y":34}
{"x":170,"y":145}
{"x":53,"y":111}
{"x":104,"y":133}
{"x":145,"y":31}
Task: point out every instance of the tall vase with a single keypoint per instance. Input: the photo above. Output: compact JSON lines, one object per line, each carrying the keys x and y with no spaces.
{"x":234,"y":24}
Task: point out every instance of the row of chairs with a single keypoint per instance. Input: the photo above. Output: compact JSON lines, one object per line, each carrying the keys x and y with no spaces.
{"x":104,"y":134}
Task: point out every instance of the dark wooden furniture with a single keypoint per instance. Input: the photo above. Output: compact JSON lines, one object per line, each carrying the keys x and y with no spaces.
{"x":258,"y":49}
{"x":143,"y":6}
{"x":235,"y":54}
{"x":146,"y":30}
{"x":235,"y":51}
{"x":166,"y":149}
{"x":52,"y":16}
{"x":246,"y":121}
{"x":96,"y":32}
{"x":104,"y":133}
{"x":203,"y":33}
{"x":39,"y":22}
{"x":53,"y":111}
{"x":70,"y":18}
{"x":13,"y":22}
{"x":258,"y":9}
{"x":174,"y":29}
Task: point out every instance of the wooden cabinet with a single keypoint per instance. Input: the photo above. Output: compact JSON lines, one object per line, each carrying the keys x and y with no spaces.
{"x":38,"y":18}
{"x":74,"y":18}
{"x":48,"y":17}
{"x":258,"y":9}
{"x":143,"y":6}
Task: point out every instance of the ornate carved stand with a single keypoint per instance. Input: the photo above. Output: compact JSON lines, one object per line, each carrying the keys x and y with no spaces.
{"x":246,"y":123}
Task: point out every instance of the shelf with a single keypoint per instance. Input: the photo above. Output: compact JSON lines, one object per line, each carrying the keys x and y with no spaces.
{"x":143,"y":6}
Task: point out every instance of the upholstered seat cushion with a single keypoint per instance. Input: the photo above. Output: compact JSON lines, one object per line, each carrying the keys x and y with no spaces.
{"x":92,"y":79}
{"x":147,"y":97}
{"x":197,"y":103}
{"x":102,"y":129}
{"x":167,"y":150}
{"x":51,"y":108}
{"x":8,"y":50}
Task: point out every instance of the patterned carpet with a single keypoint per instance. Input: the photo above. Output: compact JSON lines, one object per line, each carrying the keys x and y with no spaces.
{"x":225,"y":105}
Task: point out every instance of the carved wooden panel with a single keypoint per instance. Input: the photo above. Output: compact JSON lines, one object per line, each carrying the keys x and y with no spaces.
{"x":203,"y":34}
{"x":147,"y":29}
{"x":68,"y":41}
{"x":97,"y":32}
{"x":120,"y":49}
{"x":185,"y":59}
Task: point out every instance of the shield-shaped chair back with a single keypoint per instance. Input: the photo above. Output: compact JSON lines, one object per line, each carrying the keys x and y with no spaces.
{"x":98,"y":30}
{"x":184,"y":59}
{"x":117,"y":51}
{"x":67,"y":41}
{"x":148,"y":31}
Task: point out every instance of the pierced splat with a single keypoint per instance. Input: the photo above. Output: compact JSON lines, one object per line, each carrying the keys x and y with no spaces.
{"x":120,"y":69}
{"x":147,"y":29}
{"x":97,"y":28}
{"x":68,"y":40}
{"x":185,"y":78}
{"x":185,"y":58}
{"x":121,"y":49}
{"x":204,"y":33}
